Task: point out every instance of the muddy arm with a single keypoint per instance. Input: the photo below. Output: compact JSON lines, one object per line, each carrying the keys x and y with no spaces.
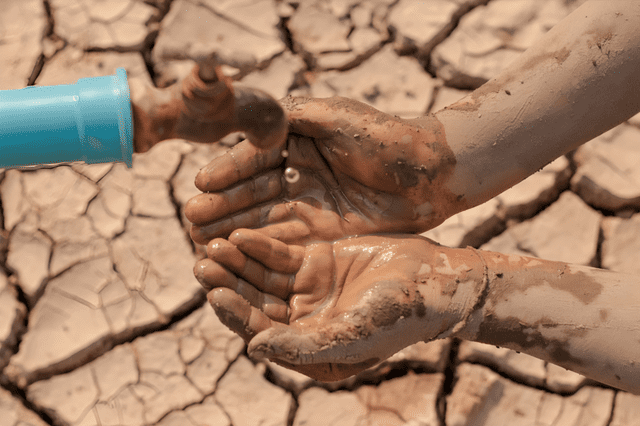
{"x":578,"y":81}
{"x":356,"y":301}
{"x":388,"y":174}
{"x":584,"y":319}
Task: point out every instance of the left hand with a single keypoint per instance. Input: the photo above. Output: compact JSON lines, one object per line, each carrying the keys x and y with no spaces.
{"x":328,"y":310}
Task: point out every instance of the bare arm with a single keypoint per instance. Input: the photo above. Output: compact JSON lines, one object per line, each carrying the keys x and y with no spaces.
{"x":387,"y":174}
{"x":578,"y":81}
{"x":584,"y":319}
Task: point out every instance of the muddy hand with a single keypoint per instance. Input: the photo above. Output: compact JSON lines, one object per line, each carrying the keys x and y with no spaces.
{"x":361,"y":171}
{"x":204,"y":107}
{"x":329,"y":310}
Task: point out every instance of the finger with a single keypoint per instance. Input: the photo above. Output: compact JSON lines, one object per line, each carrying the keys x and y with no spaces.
{"x":212,"y":275}
{"x":252,"y":218}
{"x":237,"y":314}
{"x":309,"y":116}
{"x":257,"y":217}
{"x":240,"y":162}
{"x":283,"y":344}
{"x":297,"y":348}
{"x":208,"y":207}
{"x":326,"y":117}
{"x":271,"y":253}
{"x":268,"y":281}
{"x":290,"y":232}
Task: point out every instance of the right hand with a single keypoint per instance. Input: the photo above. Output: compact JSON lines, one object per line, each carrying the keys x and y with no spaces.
{"x":361,"y":172}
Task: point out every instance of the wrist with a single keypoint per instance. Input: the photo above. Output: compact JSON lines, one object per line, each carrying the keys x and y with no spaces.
{"x":470,"y":298}
{"x":423,"y":153}
{"x":453,"y":284}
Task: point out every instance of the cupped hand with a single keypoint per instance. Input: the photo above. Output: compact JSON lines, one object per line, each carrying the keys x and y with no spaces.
{"x":361,"y":171}
{"x":331,"y":310}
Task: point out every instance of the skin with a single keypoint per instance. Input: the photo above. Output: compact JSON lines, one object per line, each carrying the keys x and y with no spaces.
{"x":575,"y":83}
{"x":385,"y":174}
{"x":583,"y":319}
{"x":330,"y":310}
{"x":363,"y":172}
{"x":347,"y":305}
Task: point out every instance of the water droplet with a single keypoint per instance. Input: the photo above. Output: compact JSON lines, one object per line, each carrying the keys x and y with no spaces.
{"x":284,"y":153}
{"x":291,"y":175}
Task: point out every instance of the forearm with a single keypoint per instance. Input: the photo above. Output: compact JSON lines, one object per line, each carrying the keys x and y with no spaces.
{"x":575,"y":83}
{"x":584,"y":319}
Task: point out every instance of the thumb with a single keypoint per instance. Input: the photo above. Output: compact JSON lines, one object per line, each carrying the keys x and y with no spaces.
{"x":281,"y":346}
{"x":327,"y":118}
{"x":311,"y":117}
{"x":284,"y":343}
{"x":334,"y":343}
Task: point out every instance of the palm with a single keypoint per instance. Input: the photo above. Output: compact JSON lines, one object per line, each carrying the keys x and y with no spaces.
{"x":328,"y":310}
{"x":361,"y":172}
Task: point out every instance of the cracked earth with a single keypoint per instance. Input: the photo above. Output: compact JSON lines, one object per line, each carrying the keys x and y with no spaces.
{"x":101,"y":319}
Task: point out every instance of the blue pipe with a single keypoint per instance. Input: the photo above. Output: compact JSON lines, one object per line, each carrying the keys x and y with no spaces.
{"x":88,"y":121}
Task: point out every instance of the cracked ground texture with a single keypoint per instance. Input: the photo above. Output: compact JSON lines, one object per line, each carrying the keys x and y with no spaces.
{"x":101,"y":319}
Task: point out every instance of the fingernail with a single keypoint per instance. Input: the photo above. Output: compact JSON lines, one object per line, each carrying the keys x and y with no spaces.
{"x":198,"y":272}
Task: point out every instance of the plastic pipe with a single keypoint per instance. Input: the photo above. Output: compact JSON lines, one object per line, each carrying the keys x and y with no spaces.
{"x":88,"y":121}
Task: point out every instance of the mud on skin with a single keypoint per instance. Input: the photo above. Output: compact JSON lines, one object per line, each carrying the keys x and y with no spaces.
{"x":361,"y":171}
{"x":352,"y":302}
{"x":364,"y":298}
{"x":561,"y":313}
